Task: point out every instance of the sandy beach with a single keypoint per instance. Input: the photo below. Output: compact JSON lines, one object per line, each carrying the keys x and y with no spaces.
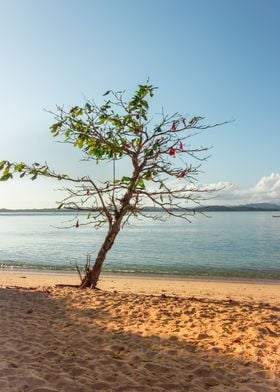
{"x":138,"y":334}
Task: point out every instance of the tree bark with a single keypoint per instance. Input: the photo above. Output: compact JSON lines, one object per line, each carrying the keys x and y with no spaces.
{"x":92,"y":275}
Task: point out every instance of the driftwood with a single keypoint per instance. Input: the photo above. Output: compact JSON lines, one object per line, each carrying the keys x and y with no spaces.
{"x":67,"y":285}
{"x":73,"y":285}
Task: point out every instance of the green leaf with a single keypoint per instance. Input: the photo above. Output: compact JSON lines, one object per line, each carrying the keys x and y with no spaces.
{"x":141,"y":184}
{"x":155,"y":147}
{"x":145,"y":104}
{"x":79,"y":143}
{"x":6,"y":177}
{"x":125,"y":179}
{"x":2,"y":164}
{"x":6,"y":171}
{"x":67,"y":133}
{"x":88,"y":107}
{"x":19,"y":167}
{"x":149,"y":153}
{"x":76,"y":111}
{"x":55,"y":128}
{"x":102,"y":120}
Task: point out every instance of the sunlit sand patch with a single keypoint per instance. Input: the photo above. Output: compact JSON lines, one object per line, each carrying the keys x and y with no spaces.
{"x":65,"y":339}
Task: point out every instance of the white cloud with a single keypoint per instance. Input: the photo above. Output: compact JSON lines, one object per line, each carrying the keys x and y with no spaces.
{"x":270,"y":185}
{"x":267,"y":189}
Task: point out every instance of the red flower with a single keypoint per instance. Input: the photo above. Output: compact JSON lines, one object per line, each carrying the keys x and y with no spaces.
{"x":181,"y":147}
{"x":77,"y":223}
{"x":172,"y":152}
{"x":184,"y":122}
{"x":174,"y":126}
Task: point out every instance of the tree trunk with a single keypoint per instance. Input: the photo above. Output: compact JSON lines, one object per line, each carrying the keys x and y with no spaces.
{"x":92,"y":275}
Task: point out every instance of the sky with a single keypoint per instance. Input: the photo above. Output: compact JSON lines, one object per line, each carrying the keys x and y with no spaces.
{"x":218,"y":59}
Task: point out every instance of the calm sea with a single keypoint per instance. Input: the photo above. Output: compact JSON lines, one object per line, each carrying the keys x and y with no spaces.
{"x":235,"y":244}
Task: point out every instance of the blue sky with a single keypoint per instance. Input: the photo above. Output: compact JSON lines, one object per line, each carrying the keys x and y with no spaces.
{"x":219,"y":59}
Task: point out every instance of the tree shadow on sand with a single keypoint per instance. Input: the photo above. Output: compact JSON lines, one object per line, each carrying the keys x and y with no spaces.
{"x":69,"y":340}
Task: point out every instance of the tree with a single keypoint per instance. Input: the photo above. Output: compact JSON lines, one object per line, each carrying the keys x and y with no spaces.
{"x":157,"y":154}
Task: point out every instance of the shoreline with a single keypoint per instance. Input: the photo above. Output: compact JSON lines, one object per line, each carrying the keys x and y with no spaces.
{"x":259,"y":291}
{"x":150,"y":276}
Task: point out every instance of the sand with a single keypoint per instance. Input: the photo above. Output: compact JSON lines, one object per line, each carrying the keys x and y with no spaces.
{"x":138,"y":335}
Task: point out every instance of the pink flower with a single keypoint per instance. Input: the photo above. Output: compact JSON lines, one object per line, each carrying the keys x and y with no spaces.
{"x":184,"y":122}
{"x":181,"y":174}
{"x":181,"y":147}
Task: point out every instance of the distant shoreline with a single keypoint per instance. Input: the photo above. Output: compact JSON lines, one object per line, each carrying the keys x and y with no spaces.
{"x":213,"y":208}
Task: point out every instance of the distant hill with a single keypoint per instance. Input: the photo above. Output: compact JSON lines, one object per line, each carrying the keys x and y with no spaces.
{"x":33,"y":210}
{"x":266,"y":206}
{"x":242,"y":207}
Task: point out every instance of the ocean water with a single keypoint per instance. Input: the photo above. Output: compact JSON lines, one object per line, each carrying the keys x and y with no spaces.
{"x":233,"y":244}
